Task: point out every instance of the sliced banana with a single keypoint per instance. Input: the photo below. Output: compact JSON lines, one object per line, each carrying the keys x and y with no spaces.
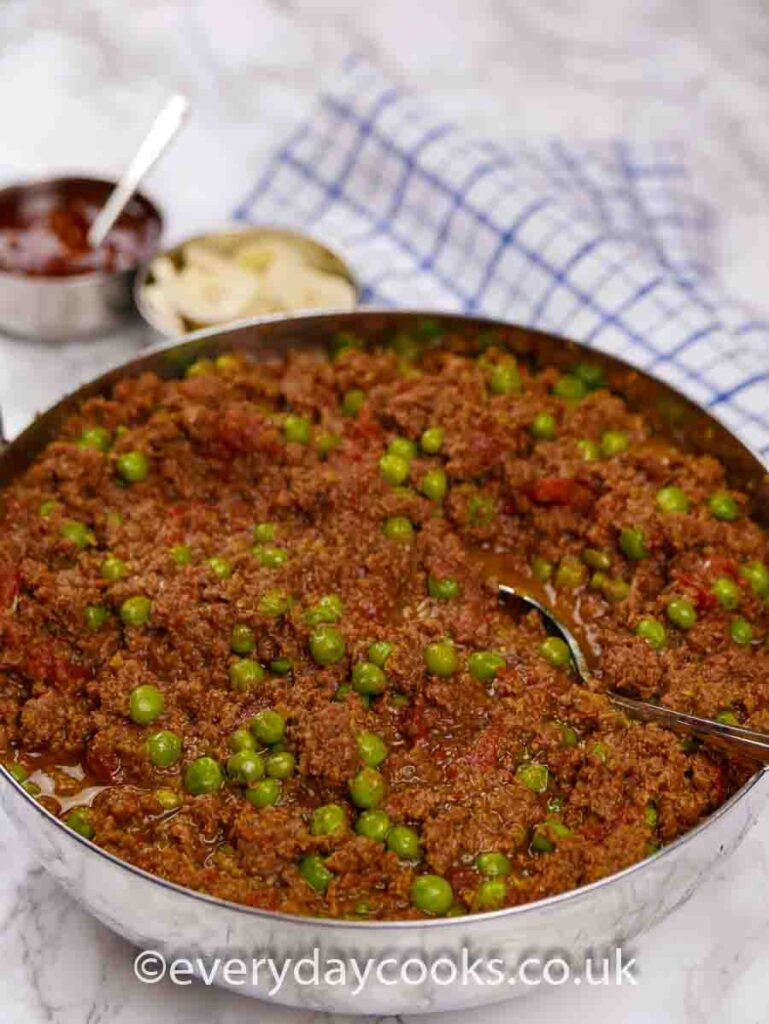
{"x":260,"y":255}
{"x":212,"y":296}
{"x":161,"y":309}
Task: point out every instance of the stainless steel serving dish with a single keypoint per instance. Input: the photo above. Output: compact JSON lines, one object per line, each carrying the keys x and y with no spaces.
{"x":154,"y":914}
{"x":60,"y":309}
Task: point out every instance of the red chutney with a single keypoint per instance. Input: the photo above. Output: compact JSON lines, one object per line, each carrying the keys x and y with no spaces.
{"x":248,"y":643}
{"x":44,"y":230}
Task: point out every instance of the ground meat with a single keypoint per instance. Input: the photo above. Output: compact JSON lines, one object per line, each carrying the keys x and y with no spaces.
{"x":521,"y":758}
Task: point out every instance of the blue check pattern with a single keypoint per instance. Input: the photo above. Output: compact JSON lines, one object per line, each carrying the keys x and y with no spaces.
{"x":603,"y":243}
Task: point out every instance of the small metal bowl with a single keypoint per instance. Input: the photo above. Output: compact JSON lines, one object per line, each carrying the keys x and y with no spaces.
{"x":61,"y":308}
{"x":321,"y":256}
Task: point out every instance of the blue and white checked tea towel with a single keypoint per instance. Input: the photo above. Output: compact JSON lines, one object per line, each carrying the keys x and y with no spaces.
{"x":603,"y":243}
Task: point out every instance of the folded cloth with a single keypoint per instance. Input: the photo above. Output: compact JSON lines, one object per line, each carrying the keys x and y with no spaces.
{"x":603,"y":243}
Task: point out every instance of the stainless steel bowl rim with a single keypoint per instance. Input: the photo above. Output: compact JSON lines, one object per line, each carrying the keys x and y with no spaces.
{"x":190,"y":340}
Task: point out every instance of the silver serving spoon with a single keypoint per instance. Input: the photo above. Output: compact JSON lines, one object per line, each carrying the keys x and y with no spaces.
{"x":732,"y":738}
{"x":164,"y":128}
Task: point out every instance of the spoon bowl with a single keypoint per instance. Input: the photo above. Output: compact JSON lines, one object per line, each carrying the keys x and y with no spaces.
{"x":733,"y":739}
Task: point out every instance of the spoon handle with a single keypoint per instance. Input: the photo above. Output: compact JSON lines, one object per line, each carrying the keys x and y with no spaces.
{"x":164,"y":128}
{"x":734,"y":739}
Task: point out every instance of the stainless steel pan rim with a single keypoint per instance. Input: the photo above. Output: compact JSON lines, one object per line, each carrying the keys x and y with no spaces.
{"x":192,"y":342}
{"x":363,"y":926}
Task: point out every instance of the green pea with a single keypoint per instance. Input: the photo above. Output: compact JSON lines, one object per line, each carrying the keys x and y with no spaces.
{"x":227,"y":363}
{"x":596,"y":559}
{"x":79,"y":820}
{"x":431,"y":440}
{"x":373,"y":825}
{"x":47,"y":507}
{"x":681,"y":613}
{"x":180,"y":554}
{"x":77,"y":533}
{"x":534,"y":776}
{"x":727,"y":592}
{"x":281,"y":666}
{"x":164,"y":748}
{"x":220,"y":567}
{"x":245,"y":767}
{"x":614,"y":442}
{"x":652,"y":631}
{"x":651,"y":815}
{"x":394,"y":469}
{"x":327,"y":819}
{"x":133,"y":467}
{"x":368,"y":678}
{"x":571,"y":388}
{"x":590,"y":374}
{"x":95,"y":617}
{"x":441,"y":658}
{"x":404,"y":842}
{"x":281,"y":765}
{"x":556,"y":651}
{"x":398,"y":528}
{"x":741,"y":631}
{"x":432,"y":895}
{"x":403,"y":447}
{"x":296,"y":429}
{"x":264,"y":533}
{"x":570,"y":574}
{"x":274,"y":603}
{"x":242,"y":639}
{"x":270,"y":557}
{"x":168,"y":799}
{"x":543,"y":426}
{"x":484,"y":665}
{"x":727,"y":718}
{"x":200,"y":368}
{"x":145,"y":703}
{"x":723,"y":506}
{"x":327,"y":645}
{"x":505,"y":377}
{"x":434,"y":485}
{"x":245,"y":673}
{"x":372,"y":749}
{"x":325,"y":443}
{"x":757,"y":575}
{"x":136,"y":611}
{"x":97,"y":438}
{"x":541,"y":844}
{"x":113,"y":569}
{"x":589,"y":450}
{"x":353,"y":401}
{"x":268,"y":726}
{"x":672,"y":499}
{"x":493,"y":864}
{"x":632,"y":544}
{"x":203,"y":775}
{"x":328,"y":609}
{"x":367,"y":788}
{"x":491,"y":894}
{"x":241,"y":739}
{"x":541,"y":569}
{"x":264,"y":793}
{"x":343,"y":341}
{"x":481,"y":510}
{"x":442,"y":590}
{"x":613,"y":588}
{"x":314,"y":872}
{"x":379,"y":652}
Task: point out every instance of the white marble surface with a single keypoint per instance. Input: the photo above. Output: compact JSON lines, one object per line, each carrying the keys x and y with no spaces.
{"x":79,"y":81}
